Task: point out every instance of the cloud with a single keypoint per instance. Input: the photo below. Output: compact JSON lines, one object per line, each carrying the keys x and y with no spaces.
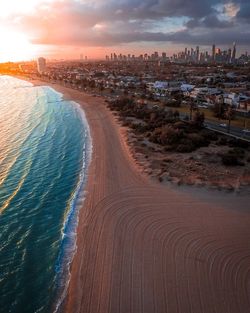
{"x":231,"y":9}
{"x":116,"y":22}
{"x":180,"y":37}
{"x":211,"y":21}
{"x":244,"y":11}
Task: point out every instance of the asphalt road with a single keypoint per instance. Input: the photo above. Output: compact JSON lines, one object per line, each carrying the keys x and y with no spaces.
{"x":222,"y":127}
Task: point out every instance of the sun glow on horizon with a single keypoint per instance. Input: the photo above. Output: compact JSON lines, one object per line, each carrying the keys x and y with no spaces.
{"x":15,"y":46}
{"x":17,"y":6}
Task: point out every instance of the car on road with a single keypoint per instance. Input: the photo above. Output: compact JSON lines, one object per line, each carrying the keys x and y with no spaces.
{"x":223,"y":125}
{"x":203,"y":105}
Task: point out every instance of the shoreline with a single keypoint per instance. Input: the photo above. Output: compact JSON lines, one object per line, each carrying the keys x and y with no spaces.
{"x":131,"y":229}
{"x":72,"y":220}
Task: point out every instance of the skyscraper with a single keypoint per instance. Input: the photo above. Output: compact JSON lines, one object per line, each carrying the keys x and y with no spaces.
{"x":41,"y":65}
{"x":197,"y":54}
{"x":234,"y":52}
{"x":213,"y":52}
{"x":229,"y":53}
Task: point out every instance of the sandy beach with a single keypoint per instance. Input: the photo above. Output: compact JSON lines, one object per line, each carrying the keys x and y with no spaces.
{"x":145,"y":247}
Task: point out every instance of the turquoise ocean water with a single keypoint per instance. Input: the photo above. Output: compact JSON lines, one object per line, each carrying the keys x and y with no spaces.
{"x":44,"y":148}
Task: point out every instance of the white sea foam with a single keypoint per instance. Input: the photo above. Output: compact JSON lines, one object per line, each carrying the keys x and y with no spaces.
{"x":69,"y":233}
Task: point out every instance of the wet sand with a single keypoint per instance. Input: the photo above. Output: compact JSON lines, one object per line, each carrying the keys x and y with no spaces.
{"x":144,"y":247}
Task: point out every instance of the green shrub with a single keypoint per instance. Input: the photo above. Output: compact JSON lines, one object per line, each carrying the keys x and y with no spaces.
{"x":166,"y":135}
{"x":180,"y":125}
{"x":160,"y":179}
{"x":238,"y":152}
{"x":229,"y":159}
{"x":209,"y":135}
{"x":222,"y":141}
{"x":238,"y":143}
{"x":166,"y":160}
{"x":198,"y":140}
{"x":168,"y":148}
{"x":185,"y":148}
{"x":170,"y":135}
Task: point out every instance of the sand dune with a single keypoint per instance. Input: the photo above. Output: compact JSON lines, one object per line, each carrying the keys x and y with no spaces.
{"x":143,"y":247}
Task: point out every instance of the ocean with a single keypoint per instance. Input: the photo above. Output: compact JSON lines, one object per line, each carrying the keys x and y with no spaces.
{"x":44,"y":151}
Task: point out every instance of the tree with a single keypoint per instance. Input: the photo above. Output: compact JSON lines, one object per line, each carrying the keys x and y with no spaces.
{"x":168,"y":135}
{"x":229,"y":114}
{"x":92,"y":84}
{"x":176,"y":114}
{"x":199,"y":119}
{"x":192,"y":107}
{"x":101,"y":87}
{"x":219,"y":108}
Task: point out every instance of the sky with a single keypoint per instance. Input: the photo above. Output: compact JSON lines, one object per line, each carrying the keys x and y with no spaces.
{"x":63,"y":29}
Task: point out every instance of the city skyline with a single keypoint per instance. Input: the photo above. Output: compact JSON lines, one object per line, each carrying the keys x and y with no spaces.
{"x":190,"y":54}
{"x":66,"y":29}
